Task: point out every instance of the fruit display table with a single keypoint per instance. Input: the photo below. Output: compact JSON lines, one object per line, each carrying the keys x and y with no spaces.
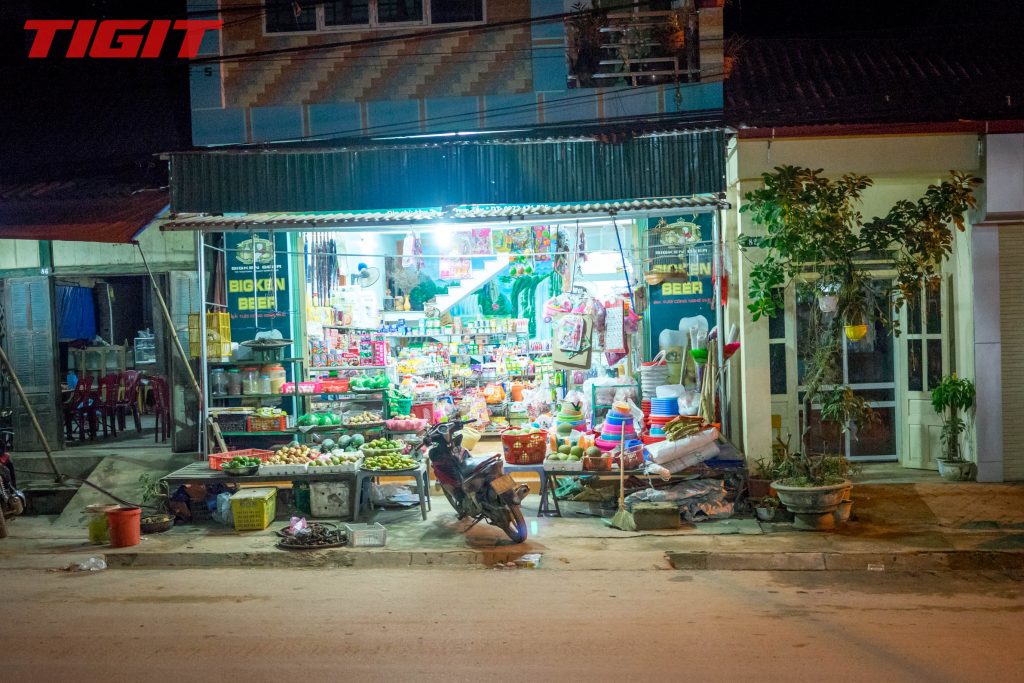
{"x":538,"y":469}
{"x":200,"y":473}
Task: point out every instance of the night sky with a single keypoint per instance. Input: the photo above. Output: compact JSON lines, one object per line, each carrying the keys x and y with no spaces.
{"x":68,"y":117}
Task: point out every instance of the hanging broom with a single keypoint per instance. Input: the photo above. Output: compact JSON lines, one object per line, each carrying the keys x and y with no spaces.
{"x":623,"y":519}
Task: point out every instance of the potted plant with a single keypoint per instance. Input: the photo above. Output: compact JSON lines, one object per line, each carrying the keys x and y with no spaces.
{"x":583,"y":29}
{"x":154,"y":497}
{"x":812,"y":488}
{"x":766,"y":508}
{"x":953,"y":395}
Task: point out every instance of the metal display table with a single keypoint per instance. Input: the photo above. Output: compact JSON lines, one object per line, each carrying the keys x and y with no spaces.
{"x":200,"y":472}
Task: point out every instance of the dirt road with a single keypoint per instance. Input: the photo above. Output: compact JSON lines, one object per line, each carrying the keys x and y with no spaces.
{"x":522,"y":625}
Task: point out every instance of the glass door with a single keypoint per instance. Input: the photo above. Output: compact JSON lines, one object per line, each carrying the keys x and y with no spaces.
{"x":868,"y":367}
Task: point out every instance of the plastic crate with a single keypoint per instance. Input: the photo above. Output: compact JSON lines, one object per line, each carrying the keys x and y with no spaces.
{"x":218,"y":326}
{"x":525,"y":449}
{"x":266,"y":424}
{"x":216,"y":350}
{"x":366,"y":535}
{"x":218,"y":459}
{"x":231,"y":422}
{"x":254,"y":509}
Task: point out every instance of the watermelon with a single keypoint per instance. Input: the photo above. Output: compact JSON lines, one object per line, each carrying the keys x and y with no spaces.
{"x":357,"y":440}
{"x":344,"y":441}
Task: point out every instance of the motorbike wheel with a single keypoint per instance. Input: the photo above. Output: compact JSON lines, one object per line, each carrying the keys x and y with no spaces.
{"x":454,"y":503}
{"x":515,"y":526}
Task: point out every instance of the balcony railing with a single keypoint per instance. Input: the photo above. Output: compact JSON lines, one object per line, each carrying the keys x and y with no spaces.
{"x":634,"y":48}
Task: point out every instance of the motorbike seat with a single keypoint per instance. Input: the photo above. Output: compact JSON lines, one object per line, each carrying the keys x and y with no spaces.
{"x":472,"y":464}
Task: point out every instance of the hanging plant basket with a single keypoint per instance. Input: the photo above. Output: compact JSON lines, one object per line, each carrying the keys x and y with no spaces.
{"x":856,"y":332}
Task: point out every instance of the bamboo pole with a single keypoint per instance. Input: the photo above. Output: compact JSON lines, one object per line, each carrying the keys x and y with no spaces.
{"x":58,"y":477}
{"x":170,"y":325}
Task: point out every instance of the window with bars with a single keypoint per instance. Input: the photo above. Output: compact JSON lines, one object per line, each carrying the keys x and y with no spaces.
{"x":307,"y":17}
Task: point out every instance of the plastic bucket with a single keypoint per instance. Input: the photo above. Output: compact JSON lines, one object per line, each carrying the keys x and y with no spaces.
{"x":124,"y":527}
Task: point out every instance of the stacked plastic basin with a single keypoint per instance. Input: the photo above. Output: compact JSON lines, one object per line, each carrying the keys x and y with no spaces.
{"x":571,"y":415}
{"x":618,"y":427}
{"x":652,"y":376}
{"x":663,"y":411}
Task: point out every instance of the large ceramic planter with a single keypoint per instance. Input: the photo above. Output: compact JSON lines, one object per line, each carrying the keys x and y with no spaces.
{"x":956,"y":470}
{"x":813,"y":506}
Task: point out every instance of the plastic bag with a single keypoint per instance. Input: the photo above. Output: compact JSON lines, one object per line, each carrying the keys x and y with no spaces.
{"x":689,"y":402}
{"x":222,"y":514}
{"x":393,"y":494}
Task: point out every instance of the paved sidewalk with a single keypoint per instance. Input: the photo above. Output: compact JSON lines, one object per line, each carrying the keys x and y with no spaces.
{"x":924,"y":526}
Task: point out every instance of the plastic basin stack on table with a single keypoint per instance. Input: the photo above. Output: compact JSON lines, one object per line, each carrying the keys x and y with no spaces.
{"x":652,"y":376}
{"x":618,"y":428}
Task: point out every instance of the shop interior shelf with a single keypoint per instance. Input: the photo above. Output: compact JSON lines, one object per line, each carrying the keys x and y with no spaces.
{"x":324,"y":368}
{"x":372,"y":396}
{"x":288,"y":432}
{"x":239,"y":396}
{"x":253,"y":362}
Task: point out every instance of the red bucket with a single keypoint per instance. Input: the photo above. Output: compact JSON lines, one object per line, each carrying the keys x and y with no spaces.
{"x":125,"y":529}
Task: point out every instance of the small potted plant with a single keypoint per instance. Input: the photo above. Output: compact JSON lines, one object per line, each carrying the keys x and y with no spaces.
{"x":953,"y":395}
{"x":766,"y":508}
{"x":154,"y":497}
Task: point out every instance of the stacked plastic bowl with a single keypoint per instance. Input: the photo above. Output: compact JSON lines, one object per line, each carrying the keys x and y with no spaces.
{"x":618,"y":427}
{"x":663,"y":411}
{"x":652,"y":376}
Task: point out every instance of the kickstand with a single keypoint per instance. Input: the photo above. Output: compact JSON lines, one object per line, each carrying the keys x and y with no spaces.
{"x":475,"y":522}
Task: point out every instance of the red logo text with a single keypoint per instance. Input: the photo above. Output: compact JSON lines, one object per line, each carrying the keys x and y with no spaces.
{"x":118,"y":38}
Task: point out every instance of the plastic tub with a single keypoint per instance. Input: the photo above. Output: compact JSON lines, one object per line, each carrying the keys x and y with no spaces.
{"x":125,"y":527}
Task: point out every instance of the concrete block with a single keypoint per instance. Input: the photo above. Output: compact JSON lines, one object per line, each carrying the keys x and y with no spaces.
{"x":688,"y":560}
{"x":767,"y":561}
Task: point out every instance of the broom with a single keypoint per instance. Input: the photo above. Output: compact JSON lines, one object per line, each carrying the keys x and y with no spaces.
{"x":623,"y":519}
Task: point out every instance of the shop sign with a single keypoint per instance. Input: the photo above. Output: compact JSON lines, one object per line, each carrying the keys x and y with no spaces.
{"x":258,"y":291}
{"x":680,"y":245}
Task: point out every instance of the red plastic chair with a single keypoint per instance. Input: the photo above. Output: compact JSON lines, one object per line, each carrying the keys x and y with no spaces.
{"x":128,"y":400}
{"x":78,"y":411}
{"x":161,"y":409}
{"x":105,"y":405}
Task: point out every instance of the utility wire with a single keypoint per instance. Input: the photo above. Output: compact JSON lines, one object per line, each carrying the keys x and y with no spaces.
{"x":607,"y":95}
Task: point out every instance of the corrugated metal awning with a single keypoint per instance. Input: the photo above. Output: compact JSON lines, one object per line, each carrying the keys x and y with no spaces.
{"x":77,"y":211}
{"x":447,"y":174}
{"x":465,"y":214}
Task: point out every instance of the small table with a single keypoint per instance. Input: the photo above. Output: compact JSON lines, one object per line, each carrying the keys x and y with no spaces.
{"x":422,"y":487}
{"x":542,"y":508}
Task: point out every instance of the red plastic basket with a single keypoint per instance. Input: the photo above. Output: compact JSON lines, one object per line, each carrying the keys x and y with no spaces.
{"x":525,"y":449}
{"x":218,"y":459}
{"x":424,"y":411}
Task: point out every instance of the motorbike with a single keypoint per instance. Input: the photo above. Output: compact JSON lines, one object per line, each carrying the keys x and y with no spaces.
{"x":12,"y":501}
{"x":477,"y":489}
